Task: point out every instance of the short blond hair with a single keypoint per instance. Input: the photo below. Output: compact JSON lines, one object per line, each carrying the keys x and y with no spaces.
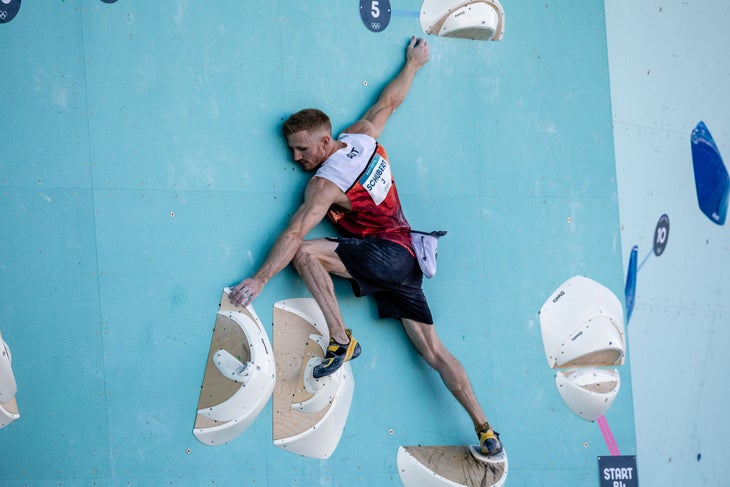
{"x":309,"y":119}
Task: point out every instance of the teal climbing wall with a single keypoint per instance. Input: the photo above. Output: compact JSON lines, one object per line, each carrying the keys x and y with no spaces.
{"x":678,"y":330}
{"x":142,"y":170}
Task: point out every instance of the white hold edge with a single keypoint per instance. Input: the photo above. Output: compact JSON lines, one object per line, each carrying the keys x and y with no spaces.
{"x":573,"y":386}
{"x":582,"y":317}
{"x":8,"y":387}
{"x":440,"y":17}
{"x":334,"y":392}
{"x":579,"y":318}
{"x":500,"y":457}
{"x":415,"y":474}
{"x":257,"y":379}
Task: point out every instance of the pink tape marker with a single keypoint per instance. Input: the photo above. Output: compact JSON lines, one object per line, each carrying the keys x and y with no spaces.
{"x":607,"y":435}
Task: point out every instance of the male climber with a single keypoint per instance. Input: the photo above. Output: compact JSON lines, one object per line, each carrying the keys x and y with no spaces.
{"x":353,"y":187}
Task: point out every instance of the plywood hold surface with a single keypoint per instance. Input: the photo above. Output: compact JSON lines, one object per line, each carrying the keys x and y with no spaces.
{"x":227,"y":335}
{"x":292,"y":350}
{"x":458,"y":465}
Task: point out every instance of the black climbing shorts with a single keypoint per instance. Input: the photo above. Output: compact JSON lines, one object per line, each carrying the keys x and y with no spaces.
{"x":387,"y":271}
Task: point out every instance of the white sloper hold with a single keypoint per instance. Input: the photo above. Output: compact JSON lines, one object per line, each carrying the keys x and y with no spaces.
{"x":589,"y":393}
{"x":240,"y":375}
{"x":309,"y":415}
{"x":582,"y":325}
{"x":8,"y":387}
{"x":468,"y":19}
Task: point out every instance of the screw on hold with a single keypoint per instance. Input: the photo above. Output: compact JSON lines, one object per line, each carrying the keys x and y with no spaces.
{"x":172,"y":214}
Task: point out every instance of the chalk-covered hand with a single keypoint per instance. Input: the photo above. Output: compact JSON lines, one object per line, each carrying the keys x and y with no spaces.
{"x":245,"y":291}
{"x":418,"y":52}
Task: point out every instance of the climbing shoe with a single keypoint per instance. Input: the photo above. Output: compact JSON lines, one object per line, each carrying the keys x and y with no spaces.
{"x":337,"y":354}
{"x":489,"y":443}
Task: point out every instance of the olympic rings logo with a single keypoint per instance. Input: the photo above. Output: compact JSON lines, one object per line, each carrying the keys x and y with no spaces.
{"x":375,"y":25}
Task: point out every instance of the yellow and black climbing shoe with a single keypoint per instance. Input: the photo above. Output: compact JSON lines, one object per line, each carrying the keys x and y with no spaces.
{"x":489,"y":443}
{"x":337,"y":354}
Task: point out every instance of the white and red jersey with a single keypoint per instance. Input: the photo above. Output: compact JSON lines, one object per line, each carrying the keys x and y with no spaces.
{"x":362,"y":171}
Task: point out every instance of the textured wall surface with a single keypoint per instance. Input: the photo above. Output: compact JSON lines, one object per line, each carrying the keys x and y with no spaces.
{"x":668,"y":72}
{"x":142,"y":170}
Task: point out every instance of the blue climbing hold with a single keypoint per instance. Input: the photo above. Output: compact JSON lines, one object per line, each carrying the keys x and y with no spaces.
{"x":711,"y":177}
{"x":630,"y":289}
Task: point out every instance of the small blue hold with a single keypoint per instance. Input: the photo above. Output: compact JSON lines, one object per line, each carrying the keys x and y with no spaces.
{"x":711,"y":177}
{"x":630,"y":289}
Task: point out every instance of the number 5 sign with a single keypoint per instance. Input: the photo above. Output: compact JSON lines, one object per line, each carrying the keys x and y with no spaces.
{"x":375,"y":14}
{"x":8,"y":10}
